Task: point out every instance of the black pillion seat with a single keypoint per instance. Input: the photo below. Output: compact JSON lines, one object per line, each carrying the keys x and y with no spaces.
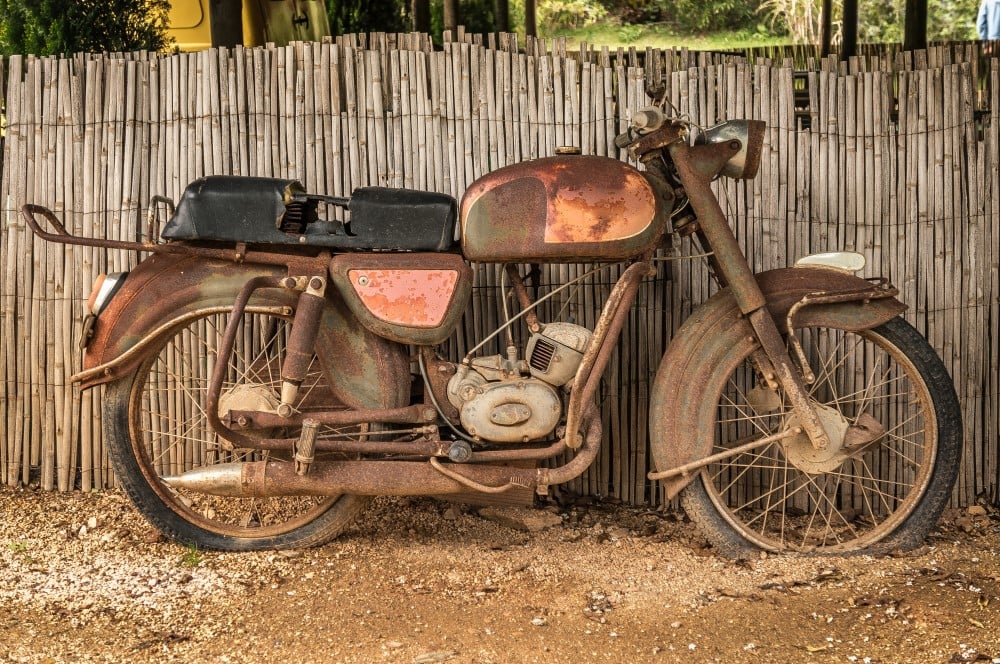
{"x":223,"y":208}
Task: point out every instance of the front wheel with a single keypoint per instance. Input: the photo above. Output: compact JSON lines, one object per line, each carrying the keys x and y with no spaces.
{"x":891,"y":406}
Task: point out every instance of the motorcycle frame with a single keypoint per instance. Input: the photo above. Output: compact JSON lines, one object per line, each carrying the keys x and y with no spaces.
{"x":696,"y":166}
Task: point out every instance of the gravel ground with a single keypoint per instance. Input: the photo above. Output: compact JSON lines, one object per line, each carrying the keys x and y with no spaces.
{"x":84,"y":578}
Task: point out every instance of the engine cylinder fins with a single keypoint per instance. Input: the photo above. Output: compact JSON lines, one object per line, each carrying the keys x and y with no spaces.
{"x":555,"y":353}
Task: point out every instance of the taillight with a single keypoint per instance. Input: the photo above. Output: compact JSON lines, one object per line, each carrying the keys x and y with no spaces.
{"x":104,"y":289}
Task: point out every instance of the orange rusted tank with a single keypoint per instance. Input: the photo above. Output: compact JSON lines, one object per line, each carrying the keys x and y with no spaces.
{"x":565,"y":209}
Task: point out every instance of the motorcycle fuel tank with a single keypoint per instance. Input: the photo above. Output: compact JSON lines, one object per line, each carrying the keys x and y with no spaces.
{"x":563,"y":209}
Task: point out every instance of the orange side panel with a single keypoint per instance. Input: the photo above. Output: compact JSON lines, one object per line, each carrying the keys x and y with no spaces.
{"x":411,"y":298}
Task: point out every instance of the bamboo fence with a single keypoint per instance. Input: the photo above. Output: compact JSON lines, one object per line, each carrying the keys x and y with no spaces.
{"x":891,"y":154}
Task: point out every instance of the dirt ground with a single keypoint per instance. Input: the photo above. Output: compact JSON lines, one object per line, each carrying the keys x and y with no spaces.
{"x":84,"y":578}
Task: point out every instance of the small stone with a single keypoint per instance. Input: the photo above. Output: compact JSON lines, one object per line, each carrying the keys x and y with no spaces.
{"x":966,"y":524}
{"x":431,"y":657}
{"x":452,"y":513}
{"x":539,"y":621}
{"x":83,"y":531}
{"x":393,"y":645}
{"x":528,"y":520}
{"x":153,"y":536}
{"x":92,"y":522}
{"x":976,"y":510}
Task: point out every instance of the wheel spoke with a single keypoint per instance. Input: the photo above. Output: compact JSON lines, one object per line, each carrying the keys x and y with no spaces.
{"x":171,"y":431}
{"x":786,"y":496}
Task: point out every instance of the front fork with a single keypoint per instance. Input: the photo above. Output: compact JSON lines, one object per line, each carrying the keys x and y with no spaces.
{"x":732,"y":270}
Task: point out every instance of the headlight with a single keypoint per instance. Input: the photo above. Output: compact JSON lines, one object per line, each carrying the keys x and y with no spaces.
{"x":104,"y":289}
{"x":750,"y":133}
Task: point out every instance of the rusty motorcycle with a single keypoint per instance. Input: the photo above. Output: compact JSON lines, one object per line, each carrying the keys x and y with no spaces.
{"x":272,"y":364}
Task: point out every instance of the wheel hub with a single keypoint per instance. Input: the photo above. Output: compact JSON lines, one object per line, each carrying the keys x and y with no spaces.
{"x":248,"y":397}
{"x":846,"y":440}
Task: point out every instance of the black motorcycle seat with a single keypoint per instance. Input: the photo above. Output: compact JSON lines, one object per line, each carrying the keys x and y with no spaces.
{"x":256,"y":210}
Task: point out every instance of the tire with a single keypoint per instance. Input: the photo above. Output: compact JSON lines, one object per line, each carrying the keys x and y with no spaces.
{"x":154,"y":426}
{"x":882,"y":494}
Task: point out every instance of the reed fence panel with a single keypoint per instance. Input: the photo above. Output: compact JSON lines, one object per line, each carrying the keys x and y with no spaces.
{"x":891,"y":154}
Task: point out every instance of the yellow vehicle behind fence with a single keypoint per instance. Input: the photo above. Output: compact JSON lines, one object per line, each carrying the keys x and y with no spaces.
{"x":195,"y":25}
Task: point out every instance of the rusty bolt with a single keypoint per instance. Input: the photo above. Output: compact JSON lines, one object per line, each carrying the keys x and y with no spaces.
{"x":316,"y":283}
{"x":242,"y":421}
{"x":460,"y":451}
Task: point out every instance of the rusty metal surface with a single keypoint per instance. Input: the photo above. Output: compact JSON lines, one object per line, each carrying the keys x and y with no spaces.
{"x":569,"y":208}
{"x":409,"y":298}
{"x":658,"y":139}
{"x":237,"y":253}
{"x":383,"y":477}
{"x":222,"y":362}
{"x":716,"y":336}
{"x":729,"y":264}
{"x":695,"y":167}
{"x":363,"y":368}
{"x":521,"y":291}
{"x":602,"y":342}
{"x":438,"y":374}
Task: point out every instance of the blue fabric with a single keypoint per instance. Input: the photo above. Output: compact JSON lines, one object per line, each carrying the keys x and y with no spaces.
{"x":988,"y":22}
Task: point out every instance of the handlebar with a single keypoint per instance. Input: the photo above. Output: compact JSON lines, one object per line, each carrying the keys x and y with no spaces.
{"x":646,"y":121}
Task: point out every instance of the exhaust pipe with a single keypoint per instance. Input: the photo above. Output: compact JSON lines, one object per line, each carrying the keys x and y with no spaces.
{"x":362,"y":478}
{"x":380,"y":478}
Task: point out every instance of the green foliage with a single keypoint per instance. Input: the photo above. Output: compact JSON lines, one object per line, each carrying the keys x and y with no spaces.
{"x":800,"y":19}
{"x":879,"y":21}
{"x":637,"y":11}
{"x":697,"y":16}
{"x":49,"y":27}
{"x":568,"y":14}
{"x":475,"y":15}
{"x":686,"y":16}
{"x":192,"y":557}
{"x":351,"y":16}
{"x":952,"y":20}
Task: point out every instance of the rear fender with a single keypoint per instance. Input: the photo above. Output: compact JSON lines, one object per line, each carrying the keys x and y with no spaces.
{"x":717,"y":336}
{"x":369,"y":370}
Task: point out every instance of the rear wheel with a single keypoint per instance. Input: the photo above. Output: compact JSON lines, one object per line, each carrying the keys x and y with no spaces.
{"x":155,"y":426}
{"x":891,"y":410}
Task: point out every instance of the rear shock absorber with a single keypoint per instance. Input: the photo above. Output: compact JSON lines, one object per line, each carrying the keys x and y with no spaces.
{"x":301,"y":341}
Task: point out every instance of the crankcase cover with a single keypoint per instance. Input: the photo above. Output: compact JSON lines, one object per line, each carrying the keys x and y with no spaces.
{"x":512,"y":412}
{"x":565,"y":209}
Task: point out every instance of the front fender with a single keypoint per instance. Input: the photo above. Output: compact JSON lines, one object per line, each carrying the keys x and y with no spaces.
{"x":369,"y":370}
{"x":697,"y":358}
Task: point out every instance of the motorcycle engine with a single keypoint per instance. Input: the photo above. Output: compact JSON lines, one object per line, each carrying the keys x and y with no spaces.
{"x":497,"y":402}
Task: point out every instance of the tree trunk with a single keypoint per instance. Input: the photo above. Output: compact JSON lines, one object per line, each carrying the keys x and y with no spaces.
{"x":226,"y":22}
{"x":501,"y":10}
{"x":849,"y":48}
{"x":451,"y":16}
{"x":421,"y":10}
{"x":915,"y":25}
{"x":530,"y":27}
{"x":826,"y":29}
